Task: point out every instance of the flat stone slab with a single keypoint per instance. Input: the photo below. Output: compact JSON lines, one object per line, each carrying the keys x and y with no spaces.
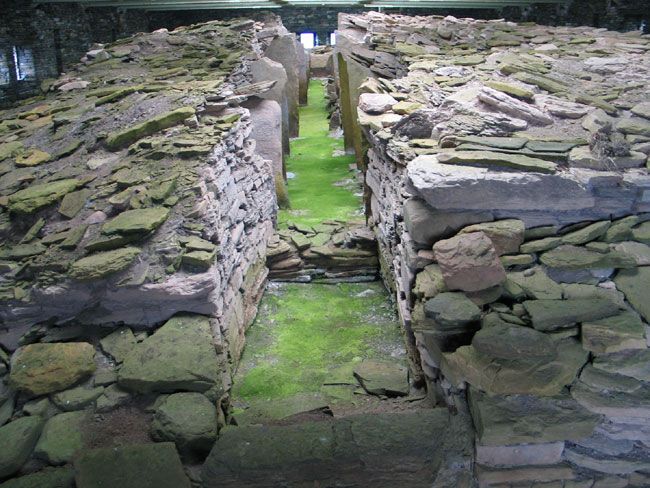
{"x":635,"y":283}
{"x":148,"y":127}
{"x":586,"y":234}
{"x":138,"y":466}
{"x":604,"y":445}
{"x":603,"y":380}
{"x":454,"y":187}
{"x":638,"y":250}
{"x":498,"y":376}
{"x":383,"y":378}
{"x":140,"y":221}
{"x":614,"y":404}
{"x":512,"y":343}
{"x":520,"y":454}
{"x":488,"y":158}
{"x":46,"y":368}
{"x":635,"y":363}
{"x":37,"y":197}
{"x":178,"y":356}
{"x":515,"y":419}
{"x":572,"y":258}
{"x":360,"y":450}
{"x":536,"y":284}
{"x":452,"y":310}
{"x":549,"y":315}
{"x":603,"y":464}
{"x":498,"y":476}
{"x":613,"y":334}
{"x":103,"y":264}
{"x":273,"y":410}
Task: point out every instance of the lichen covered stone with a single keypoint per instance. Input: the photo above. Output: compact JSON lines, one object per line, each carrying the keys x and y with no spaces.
{"x":148,"y":127}
{"x":100,"y":265}
{"x":140,"y":221}
{"x":37,"y":197}
{"x":45,"y":368}
{"x":179,"y":356}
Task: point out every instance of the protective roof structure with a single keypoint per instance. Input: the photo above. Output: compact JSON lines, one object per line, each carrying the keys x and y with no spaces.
{"x":245,"y":4}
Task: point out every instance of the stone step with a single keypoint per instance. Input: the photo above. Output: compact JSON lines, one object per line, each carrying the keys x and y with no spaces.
{"x":380,"y":450}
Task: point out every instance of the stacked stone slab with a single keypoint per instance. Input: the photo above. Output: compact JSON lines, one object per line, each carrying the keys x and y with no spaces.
{"x":507,"y":174}
{"x":135,"y":211}
{"x":328,"y":252}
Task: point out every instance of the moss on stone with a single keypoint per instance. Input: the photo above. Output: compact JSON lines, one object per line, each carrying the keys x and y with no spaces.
{"x":37,"y":197}
{"x":73,"y":202}
{"x":116,"y":95}
{"x":305,"y":331}
{"x":98,"y":266}
{"x":73,"y":237}
{"x":9,"y":149}
{"x":202,"y":259}
{"x":148,"y":127}
{"x":141,"y":221}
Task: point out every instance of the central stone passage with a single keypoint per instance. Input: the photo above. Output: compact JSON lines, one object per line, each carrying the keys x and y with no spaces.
{"x":315,"y":347}
{"x":322,"y":395}
{"x":323,"y":186}
{"x":311,"y":343}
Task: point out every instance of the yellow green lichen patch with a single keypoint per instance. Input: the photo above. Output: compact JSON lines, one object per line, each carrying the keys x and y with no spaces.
{"x":37,"y":197}
{"x":98,"y":266}
{"x":32,"y":157}
{"x":148,"y":127}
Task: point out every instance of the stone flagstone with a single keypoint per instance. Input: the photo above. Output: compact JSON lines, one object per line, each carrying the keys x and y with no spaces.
{"x":137,"y":466}
{"x":514,"y":419}
{"x":612,"y":334}
{"x":178,"y":356}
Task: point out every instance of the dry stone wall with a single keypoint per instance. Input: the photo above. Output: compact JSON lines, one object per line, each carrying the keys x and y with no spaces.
{"x":507,"y":180}
{"x":137,"y":198}
{"x":138,"y":184}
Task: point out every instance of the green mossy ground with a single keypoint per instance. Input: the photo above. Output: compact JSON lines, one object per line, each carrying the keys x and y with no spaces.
{"x":304,"y":332}
{"x":312,"y":194}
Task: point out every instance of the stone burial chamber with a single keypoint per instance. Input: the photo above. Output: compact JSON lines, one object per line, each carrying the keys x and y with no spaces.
{"x":507,"y":211}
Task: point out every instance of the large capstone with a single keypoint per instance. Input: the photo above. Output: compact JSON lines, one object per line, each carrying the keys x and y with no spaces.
{"x":137,"y":466}
{"x":178,"y":356}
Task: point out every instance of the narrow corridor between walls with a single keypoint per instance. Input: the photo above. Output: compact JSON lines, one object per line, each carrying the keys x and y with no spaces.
{"x":323,"y":393}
